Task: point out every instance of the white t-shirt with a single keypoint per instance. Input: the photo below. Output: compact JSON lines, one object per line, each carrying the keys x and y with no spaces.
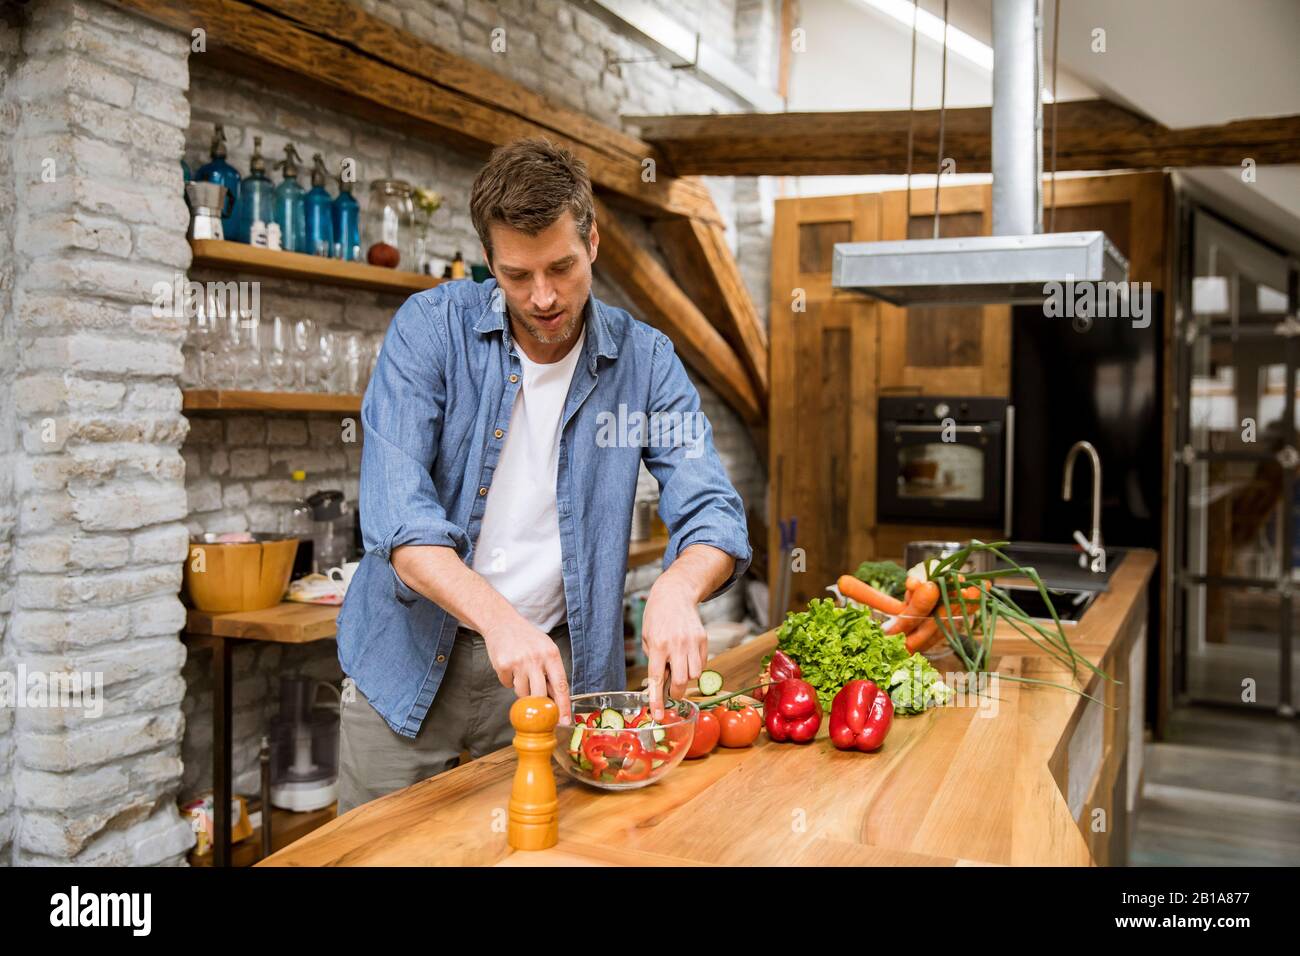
{"x":518,"y":548}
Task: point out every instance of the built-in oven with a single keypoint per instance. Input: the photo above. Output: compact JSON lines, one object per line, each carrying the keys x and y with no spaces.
{"x":944,"y":460}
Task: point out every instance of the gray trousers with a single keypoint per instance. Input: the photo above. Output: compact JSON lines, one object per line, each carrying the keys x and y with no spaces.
{"x":471,"y":712}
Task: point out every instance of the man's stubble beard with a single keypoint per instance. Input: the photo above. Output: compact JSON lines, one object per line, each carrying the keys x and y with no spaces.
{"x":549,"y":338}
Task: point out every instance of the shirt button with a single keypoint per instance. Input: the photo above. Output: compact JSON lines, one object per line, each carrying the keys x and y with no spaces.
{"x":442,"y":658}
{"x":514,"y":378}
{"x":482,"y":491}
{"x":498,"y":433}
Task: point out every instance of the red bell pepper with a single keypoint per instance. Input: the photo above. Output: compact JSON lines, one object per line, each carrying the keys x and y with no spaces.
{"x":598,"y":748}
{"x":637,"y":767}
{"x":861,"y":716}
{"x":792,"y":711}
{"x":781,"y":667}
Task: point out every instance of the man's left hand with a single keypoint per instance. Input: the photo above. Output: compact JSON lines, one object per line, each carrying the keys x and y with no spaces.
{"x":674,"y":636}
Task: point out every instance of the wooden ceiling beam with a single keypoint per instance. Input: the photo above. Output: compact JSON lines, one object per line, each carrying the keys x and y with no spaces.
{"x":665,"y":306}
{"x":1092,"y":135}
{"x":698,"y":254}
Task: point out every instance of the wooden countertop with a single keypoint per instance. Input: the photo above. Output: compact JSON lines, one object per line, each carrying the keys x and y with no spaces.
{"x":950,"y":787}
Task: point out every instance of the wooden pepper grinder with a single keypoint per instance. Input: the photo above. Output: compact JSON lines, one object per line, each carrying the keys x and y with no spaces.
{"x":534,"y":809}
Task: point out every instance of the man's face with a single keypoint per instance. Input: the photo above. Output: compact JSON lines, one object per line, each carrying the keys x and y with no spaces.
{"x":546,"y":278}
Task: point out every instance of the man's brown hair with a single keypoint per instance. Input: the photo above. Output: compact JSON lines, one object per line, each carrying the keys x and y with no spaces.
{"x":527,"y":185}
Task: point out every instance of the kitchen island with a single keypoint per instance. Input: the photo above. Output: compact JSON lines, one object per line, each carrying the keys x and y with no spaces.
{"x":1037,"y":776}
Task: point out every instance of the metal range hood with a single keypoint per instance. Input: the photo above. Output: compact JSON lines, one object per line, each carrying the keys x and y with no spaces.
{"x":1014,"y":264}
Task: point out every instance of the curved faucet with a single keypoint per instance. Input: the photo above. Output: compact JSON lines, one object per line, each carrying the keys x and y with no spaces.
{"x":1091,"y":546}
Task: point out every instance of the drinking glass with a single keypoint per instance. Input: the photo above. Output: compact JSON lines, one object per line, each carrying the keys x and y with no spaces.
{"x":304,"y":355}
{"x":278,"y":354}
{"x":355,"y":363}
{"x":252,"y":371}
{"x":223,"y":370}
{"x":328,"y":361}
{"x":199,"y":343}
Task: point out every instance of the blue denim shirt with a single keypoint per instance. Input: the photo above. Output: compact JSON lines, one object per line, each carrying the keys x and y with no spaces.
{"x":445,"y":382}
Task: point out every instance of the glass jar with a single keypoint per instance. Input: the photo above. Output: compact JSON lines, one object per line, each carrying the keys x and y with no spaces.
{"x":389,"y":228}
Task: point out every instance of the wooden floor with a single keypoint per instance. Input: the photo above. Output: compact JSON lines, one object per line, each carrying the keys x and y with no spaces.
{"x":1222,"y":790}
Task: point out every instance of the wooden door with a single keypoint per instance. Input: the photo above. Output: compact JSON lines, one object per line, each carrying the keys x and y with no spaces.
{"x":822,"y":459}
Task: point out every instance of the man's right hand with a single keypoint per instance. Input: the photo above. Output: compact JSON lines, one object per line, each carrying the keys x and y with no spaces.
{"x":526,"y":659}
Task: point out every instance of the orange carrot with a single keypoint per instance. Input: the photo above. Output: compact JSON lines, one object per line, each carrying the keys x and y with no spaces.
{"x":864,"y":593}
{"x":924,"y":636}
{"x":920,"y":603}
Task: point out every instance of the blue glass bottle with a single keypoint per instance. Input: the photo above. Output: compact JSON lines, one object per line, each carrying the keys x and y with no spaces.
{"x":290,"y":211}
{"x":347,"y":223}
{"x":256,"y":196}
{"x":319,"y":208}
{"x":217,"y":170}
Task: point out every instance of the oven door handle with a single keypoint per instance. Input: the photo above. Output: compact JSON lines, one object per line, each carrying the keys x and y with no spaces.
{"x":931,"y":429}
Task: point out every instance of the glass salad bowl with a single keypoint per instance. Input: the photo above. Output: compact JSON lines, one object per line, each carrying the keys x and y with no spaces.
{"x":612,"y":744}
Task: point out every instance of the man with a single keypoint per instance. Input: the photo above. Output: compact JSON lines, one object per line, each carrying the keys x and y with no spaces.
{"x":497,"y":482}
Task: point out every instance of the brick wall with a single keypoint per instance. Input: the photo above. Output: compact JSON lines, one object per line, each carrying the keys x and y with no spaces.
{"x":9,"y":57}
{"x":98,"y":477}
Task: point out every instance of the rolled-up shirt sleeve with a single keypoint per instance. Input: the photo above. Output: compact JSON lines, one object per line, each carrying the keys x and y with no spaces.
{"x":402,"y":416}
{"x":696,"y":499}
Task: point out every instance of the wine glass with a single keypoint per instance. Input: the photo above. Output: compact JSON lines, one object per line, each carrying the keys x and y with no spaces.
{"x":356,"y":363}
{"x":223,"y":370}
{"x":328,"y":361}
{"x":304,"y":354}
{"x":251,"y":366}
{"x":278,"y":354}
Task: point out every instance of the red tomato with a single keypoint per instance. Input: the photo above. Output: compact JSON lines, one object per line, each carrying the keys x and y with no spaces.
{"x":740,"y":727}
{"x":707,"y":730}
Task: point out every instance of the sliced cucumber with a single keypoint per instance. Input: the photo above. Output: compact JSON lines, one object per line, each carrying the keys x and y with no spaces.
{"x":583,"y":762}
{"x":710,"y":683}
{"x":611,"y":719}
{"x":575,"y":741}
{"x":665,"y":748}
{"x":659,"y":734}
{"x":657,"y":763}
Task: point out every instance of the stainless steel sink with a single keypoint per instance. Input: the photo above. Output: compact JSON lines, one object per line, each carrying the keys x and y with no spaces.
{"x":1058,"y":564}
{"x":1069,"y":604}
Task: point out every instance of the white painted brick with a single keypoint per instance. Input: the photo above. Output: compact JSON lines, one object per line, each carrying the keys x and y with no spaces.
{"x":160,"y":615}
{"x":55,"y":631}
{"x":41,"y":512}
{"x":99,"y":742}
{"x":85,"y":352}
{"x":51,"y":554}
{"x":127,"y":506}
{"x":52,"y":233}
{"x":160,"y":545}
{"x":166,"y":104}
{"x":51,"y":592}
{"x":164,"y":246}
{"x":69,"y":791}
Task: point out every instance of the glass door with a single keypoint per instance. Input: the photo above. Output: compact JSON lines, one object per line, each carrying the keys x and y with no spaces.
{"x":1236,"y":493}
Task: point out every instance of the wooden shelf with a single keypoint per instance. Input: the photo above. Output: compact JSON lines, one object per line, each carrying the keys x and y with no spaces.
{"x":289,"y":622}
{"x":218,"y":399}
{"x":222,"y":254}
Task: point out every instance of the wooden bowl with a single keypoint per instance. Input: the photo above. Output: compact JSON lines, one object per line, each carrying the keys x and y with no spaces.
{"x":239,"y":577}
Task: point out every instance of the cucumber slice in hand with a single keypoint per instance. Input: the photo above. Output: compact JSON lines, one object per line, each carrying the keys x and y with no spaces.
{"x":710,"y":683}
